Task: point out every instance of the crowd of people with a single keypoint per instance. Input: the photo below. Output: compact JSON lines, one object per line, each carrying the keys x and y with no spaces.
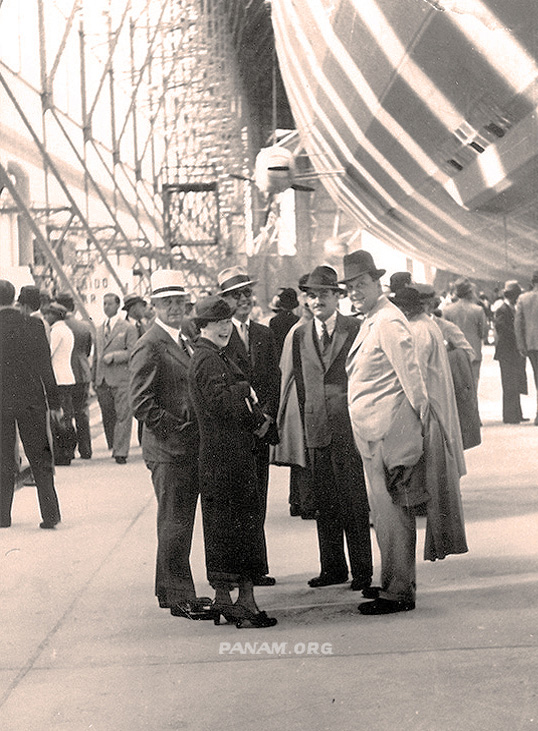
{"x":371,"y":410}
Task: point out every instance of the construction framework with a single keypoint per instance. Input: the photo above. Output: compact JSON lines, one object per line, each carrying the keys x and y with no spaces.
{"x":121,"y":123}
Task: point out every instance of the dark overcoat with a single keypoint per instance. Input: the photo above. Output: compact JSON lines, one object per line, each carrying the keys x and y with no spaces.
{"x":231,"y":503}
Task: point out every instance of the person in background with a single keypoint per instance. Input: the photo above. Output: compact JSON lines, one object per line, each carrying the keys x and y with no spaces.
{"x":80,"y":363}
{"x":398,"y":280}
{"x":460,"y":355}
{"x":471,"y":319}
{"x":252,"y":348}
{"x":511,"y":362}
{"x":285,"y":318}
{"x":62,"y":343}
{"x":135,"y":307}
{"x":27,"y":391}
{"x":526,"y":326}
{"x":320,"y":348}
{"x":233,"y":507}
{"x":114,"y":343}
{"x":161,"y":403}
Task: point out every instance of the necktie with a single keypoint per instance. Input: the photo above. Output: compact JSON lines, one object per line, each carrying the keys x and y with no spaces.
{"x":185,"y":345}
{"x":325,"y":338}
{"x":107,"y":329}
{"x":244,"y":334}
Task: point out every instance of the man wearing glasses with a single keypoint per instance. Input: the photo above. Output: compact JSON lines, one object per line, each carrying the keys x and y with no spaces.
{"x":252,"y":348}
{"x":320,"y":349}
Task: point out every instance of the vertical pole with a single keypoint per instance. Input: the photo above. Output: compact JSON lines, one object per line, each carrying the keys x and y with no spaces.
{"x":86,"y":131}
{"x":114,"y":143}
{"x":45,"y":97}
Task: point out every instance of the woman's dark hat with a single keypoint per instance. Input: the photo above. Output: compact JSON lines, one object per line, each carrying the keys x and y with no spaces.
{"x":211,"y":309}
{"x":360,"y":262}
{"x":322,"y":277}
{"x":57,"y":309}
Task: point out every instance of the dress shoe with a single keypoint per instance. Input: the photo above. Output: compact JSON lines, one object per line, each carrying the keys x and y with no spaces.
{"x":48,"y":526}
{"x":309,"y":515}
{"x":241,"y":616}
{"x":327,"y":580}
{"x":385,"y":606}
{"x":264,"y":581}
{"x":368,"y":591}
{"x":121,"y":460}
{"x":189,"y":610}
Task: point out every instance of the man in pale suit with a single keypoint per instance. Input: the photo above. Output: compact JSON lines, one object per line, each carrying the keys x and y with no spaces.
{"x":114,"y":343}
{"x":526,"y":326}
{"x":383,"y":374}
{"x":320,"y":348}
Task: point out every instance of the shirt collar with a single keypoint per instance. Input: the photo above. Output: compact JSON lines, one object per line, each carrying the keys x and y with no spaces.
{"x":238,"y":323}
{"x":113,"y":320}
{"x":330,"y":322}
{"x":174,"y":334}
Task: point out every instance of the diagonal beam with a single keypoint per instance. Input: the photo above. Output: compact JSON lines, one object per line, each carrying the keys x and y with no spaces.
{"x":52,"y":167}
{"x":5,"y":181}
{"x":100,"y":193}
{"x":63,"y":43}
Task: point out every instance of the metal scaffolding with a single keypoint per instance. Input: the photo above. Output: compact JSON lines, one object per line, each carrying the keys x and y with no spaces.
{"x":120,"y":124}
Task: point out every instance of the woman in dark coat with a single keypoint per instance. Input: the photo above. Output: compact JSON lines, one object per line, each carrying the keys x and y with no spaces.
{"x":228,"y":415}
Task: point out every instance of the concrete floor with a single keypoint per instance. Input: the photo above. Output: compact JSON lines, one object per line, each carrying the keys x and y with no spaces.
{"x":84,"y":645}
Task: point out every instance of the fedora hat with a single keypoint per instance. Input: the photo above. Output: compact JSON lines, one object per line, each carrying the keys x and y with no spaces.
{"x":463,"y":287}
{"x":211,"y":309}
{"x":288,"y":298}
{"x":399,"y":280}
{"x":57,"y":309}
{"x":360,"y":262}
{"x":234,"y":278}
{"x":167,"y":283}
{"x":131,"y":299}
{"x":322,"y":277}
{"x":511,"y":287}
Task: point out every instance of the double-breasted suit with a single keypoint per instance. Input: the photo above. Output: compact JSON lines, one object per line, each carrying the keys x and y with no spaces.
{"x":336,"y":464}
{"x":511,"y":362}
{"x":111,"y":382}
{"x":160,"y":401}
{"x":27,"y":386}
{"x":260,"y":366}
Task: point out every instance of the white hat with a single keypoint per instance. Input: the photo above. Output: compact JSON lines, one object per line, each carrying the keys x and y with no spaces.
{"x":167,"y":283}
{"x":234,"y":278}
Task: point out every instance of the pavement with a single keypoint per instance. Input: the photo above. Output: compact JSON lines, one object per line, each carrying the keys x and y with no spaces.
{"x":83,"y":644}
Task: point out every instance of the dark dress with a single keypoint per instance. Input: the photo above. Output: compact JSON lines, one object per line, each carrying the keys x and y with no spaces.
{"x":231,"y":505}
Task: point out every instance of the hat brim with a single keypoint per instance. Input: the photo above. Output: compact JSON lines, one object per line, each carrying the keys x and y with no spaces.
{"x":377,"y":273}
{"x":131,"y":304}
{"x":240,"y":285}
{"x":334,"y":287}
{"x":169,"y":293}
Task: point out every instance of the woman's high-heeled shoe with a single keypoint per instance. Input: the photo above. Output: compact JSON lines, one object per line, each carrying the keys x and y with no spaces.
{"x":242,"y":617}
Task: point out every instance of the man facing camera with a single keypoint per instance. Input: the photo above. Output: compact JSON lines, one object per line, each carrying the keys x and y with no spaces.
{"x":160,"y":400}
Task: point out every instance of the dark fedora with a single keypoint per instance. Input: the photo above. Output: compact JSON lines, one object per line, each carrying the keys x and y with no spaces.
{"x":322,"y":277}
{"x":360,"y":262}
{"x":407,"y":298}
{"x":57,"y":309}
{"x":132,"y":299}
{"x":512,"y":288}
{"x":211,"y":309}
{"x":464,"y":288}
{"x":29,"y":296}
{"x":288,"y":298}
{"x":399,"y":280}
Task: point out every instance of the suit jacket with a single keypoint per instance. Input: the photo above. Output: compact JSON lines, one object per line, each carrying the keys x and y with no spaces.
{"x":160,"y":397}
{"x":505,"y":335}
{"x":471,"y":319}
{"x":62,"y":342}
{"x":120,"y":343}
{"x":261,"y":369}
{"x":26,"y":374}
{"x":526,"y":322}
{"x":324,"y":419}
{"x":80,"y":357}
{"x":383,"y":370}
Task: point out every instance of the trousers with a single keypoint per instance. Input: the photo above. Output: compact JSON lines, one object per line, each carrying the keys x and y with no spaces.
{"x":117,"y":416}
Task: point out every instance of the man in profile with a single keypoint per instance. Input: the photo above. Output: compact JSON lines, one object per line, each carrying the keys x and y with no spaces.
{"x":27,"y":389}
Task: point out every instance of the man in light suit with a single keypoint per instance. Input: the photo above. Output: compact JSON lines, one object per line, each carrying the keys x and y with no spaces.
{"x":526,"y":326}
{"x":160,"y":400}
{"x":383,"y":374}
{"x":115,"y":340}
{"x":252,"y":348}
{"x":320,"y":348}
